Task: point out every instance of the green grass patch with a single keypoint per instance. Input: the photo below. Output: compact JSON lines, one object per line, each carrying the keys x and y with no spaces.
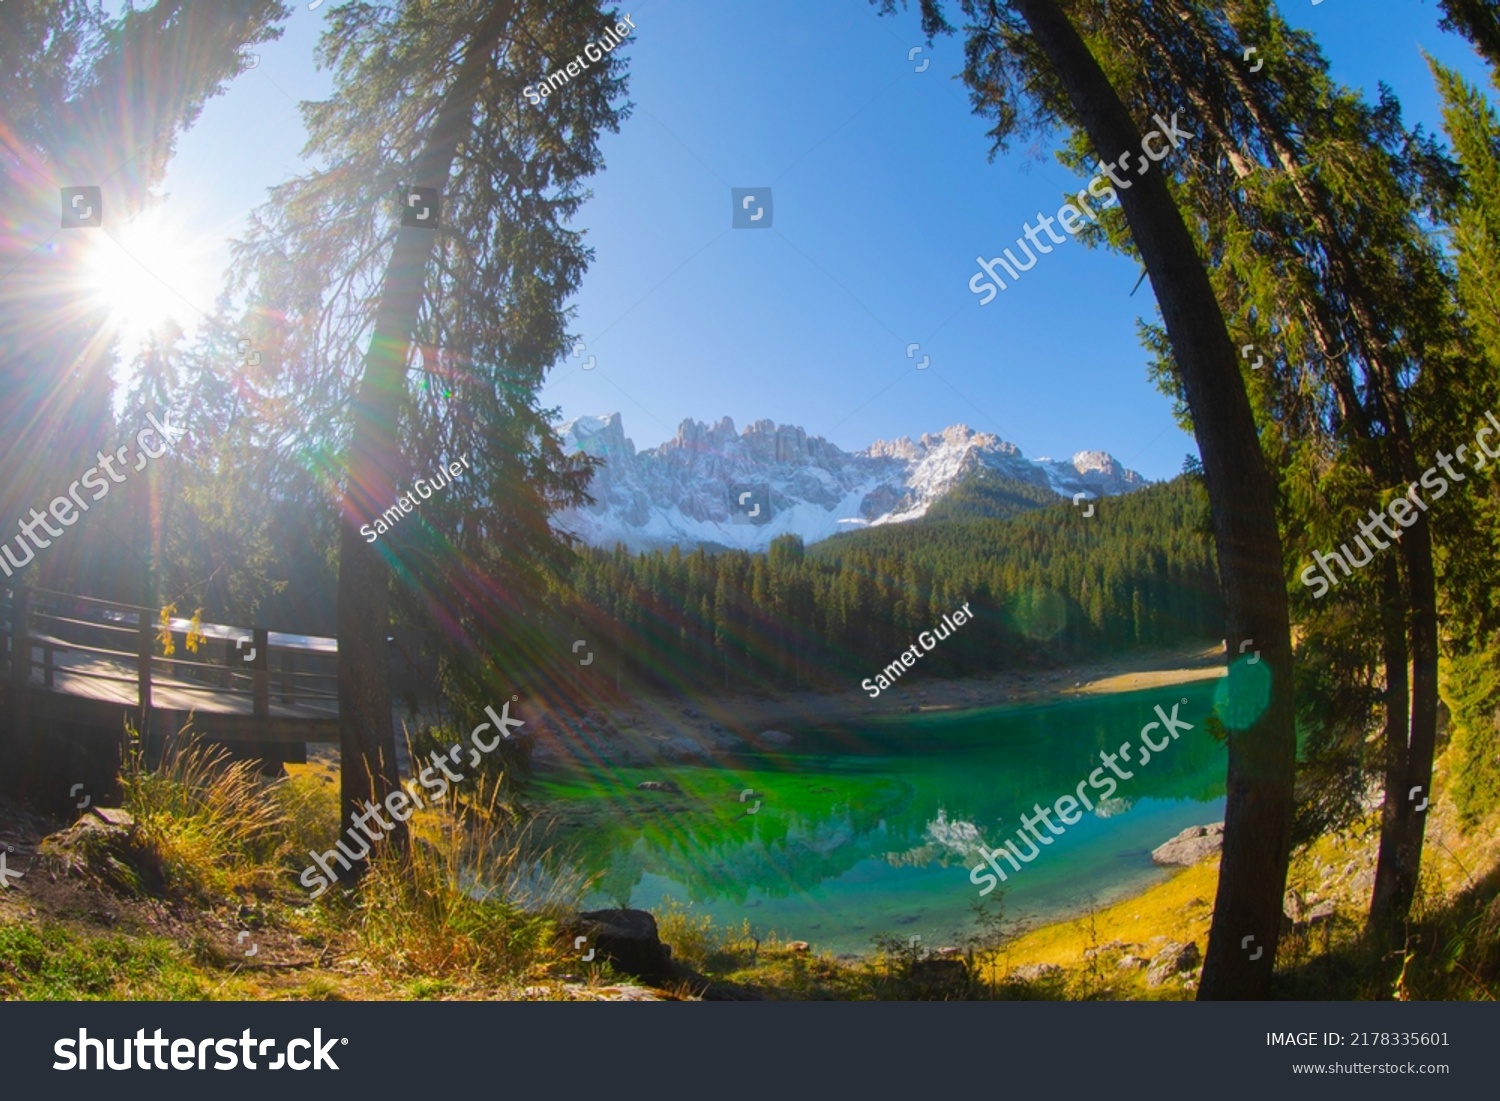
{"x":50,"y":963}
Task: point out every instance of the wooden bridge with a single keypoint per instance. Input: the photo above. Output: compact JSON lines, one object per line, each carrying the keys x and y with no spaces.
{"x":78,"y":666}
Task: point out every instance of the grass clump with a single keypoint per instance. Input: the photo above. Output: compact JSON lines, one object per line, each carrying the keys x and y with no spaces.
{"x":469,"y":904}
{"x":701,"y":944}
{"x":212,"y":824}
{"x":309,"y":812}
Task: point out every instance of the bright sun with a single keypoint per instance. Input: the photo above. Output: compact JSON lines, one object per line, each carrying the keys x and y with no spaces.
{"x":144,"y":275}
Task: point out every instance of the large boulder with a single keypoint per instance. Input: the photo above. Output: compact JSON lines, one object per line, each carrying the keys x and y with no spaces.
{"x":1174,"y":959}
{"x":105,"y":847}
{"x":773,"y":739}
{"x":1293,"y":908}
{"x":1190,"y":846}
{"x":1322,"y":913}
{"x":1302,"y":915}
{"x":939,"y":979}
{"x":628,"y":939}
{"x":724,"y":741}
{"x":659,"y":785}
{"x":682,"y":749}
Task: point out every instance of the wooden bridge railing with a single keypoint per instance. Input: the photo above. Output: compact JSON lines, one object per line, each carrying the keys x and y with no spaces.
{"x":61,"y":623}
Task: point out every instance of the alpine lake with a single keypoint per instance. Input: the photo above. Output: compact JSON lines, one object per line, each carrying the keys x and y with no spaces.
{"x":870,"y":829}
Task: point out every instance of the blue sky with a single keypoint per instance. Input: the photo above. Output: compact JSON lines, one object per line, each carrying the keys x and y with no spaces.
{"x":882,"y":199}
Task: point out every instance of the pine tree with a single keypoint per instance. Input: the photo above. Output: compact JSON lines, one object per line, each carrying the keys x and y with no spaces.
{"x":1479,"y":22}
{"x":1313,"y":204}
{"x":1472,"y":576}
{"x":429,"y":96}
{"x":1028,"y":56}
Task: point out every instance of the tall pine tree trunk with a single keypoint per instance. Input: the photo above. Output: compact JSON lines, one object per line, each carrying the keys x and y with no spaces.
{"x":367,"y":738}
{"x":1402,"y":824}
{"x":1257,"y":836}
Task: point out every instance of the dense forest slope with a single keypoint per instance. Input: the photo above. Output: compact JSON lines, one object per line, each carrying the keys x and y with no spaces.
{"x":1043,"y":581}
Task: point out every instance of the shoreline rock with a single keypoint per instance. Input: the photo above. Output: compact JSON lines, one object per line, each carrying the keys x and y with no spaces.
{"x":626,"y":938}
{"x":1192,"y":845}
{"x":659,"y":785}
{"x":772,"y":739}
{"x":1175,"y":960}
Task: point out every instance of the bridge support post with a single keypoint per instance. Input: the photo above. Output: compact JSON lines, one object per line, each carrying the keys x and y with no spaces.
{"x":145,"y":638}
{"x":260,"y":669}
{"x":20,"y":636}
{"x":17,"y":726}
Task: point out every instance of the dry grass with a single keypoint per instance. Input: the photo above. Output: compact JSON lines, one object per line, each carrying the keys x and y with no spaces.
{"x":470,"y":905}
{"x":213,"y":824}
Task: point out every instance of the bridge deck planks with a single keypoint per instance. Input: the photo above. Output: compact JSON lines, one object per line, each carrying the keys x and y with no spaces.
{"x":77,"y":696}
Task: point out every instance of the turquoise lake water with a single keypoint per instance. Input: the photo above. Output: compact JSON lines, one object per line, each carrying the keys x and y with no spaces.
{"x":870,"y":829}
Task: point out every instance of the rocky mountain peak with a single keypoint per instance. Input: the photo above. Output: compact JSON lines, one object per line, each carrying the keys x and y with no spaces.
{"x":712,"y":485}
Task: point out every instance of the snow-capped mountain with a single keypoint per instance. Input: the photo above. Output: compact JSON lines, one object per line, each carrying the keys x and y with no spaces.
{"x":711,"y":484}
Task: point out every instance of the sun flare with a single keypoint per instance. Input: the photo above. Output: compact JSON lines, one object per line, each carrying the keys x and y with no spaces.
{"x":145,"y":275}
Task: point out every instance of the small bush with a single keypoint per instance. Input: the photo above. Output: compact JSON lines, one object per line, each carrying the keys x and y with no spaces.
{"x":700,"y":944}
